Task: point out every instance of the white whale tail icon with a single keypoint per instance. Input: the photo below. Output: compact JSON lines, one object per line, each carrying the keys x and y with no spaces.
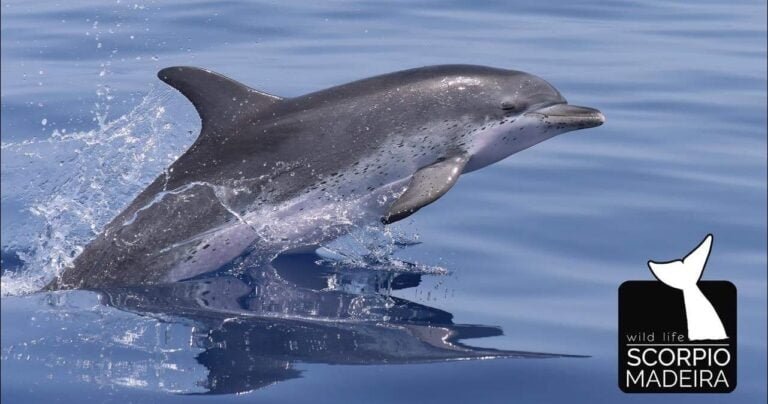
{"x":703,"y":321}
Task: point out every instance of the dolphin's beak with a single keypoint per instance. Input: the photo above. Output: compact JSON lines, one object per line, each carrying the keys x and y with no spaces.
{"x":571,"y":115}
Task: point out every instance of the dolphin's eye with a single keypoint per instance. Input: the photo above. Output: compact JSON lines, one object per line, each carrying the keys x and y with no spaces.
{"x":509,"y":106}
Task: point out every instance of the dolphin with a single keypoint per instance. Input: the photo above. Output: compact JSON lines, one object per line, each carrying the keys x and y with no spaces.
{"x":269,"y":174}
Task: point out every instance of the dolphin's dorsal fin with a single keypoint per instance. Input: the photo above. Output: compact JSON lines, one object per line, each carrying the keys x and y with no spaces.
{"x":218,"y":99}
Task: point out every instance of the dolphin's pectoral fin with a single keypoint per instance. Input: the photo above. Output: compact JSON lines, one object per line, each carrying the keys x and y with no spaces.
{"x":219,"y":100}
{"x":426,"y":186}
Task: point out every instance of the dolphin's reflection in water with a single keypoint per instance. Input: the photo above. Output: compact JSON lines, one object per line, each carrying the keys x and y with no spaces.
{"x":299,"y":309}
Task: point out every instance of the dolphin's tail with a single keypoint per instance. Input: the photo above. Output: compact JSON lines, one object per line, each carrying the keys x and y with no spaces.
{"x":703,"y":321}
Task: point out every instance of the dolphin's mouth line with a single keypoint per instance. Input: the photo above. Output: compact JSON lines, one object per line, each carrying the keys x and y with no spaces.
{"x":563,"y":113}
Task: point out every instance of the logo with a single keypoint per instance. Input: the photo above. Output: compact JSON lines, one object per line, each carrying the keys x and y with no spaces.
{"x":677,"y":334}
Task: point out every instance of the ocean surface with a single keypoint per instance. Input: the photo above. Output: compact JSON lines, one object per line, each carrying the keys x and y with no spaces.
{"x":505,"y":290}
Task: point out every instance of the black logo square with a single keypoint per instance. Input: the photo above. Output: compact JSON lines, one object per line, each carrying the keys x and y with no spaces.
{"x":655,"y":353}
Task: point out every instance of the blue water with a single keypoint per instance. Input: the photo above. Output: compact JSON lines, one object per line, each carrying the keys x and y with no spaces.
{"x":535,"y":246}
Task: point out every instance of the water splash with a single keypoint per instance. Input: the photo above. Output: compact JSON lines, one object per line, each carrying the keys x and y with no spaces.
{"x":65,"y":188}
{"x":373,"y":247}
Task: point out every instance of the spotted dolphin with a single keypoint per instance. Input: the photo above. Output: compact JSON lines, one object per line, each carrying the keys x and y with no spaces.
{"x":269,"y":174}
